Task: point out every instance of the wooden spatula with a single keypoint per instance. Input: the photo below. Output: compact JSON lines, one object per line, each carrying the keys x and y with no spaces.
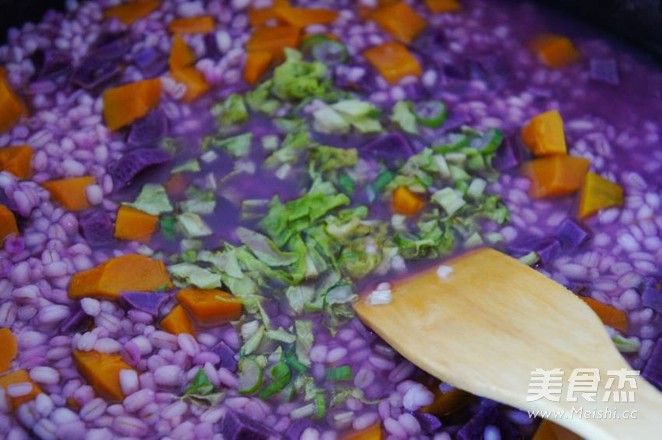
{"x":483,"y":322}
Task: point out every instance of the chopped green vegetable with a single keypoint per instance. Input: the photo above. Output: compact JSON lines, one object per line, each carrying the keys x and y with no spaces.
{"x":190,"y":165}
{"x":339,"y":373}
{"x":431,"y":114}
{"x":237,"y":146}
{"x":404,"y":116}
{"x":153,"y":200}
{"x":200,"y":385}
{"x":193,"y":225}
{"x":449,"y":199}
{"x":296,"y":79}
{"x":326,"y":159}
{"x":191,"y":274}
{"x":230,"y":111}
{"x":250,"y":376}
{"x":305,"y":339}
{"x":626,"y":345}
{"x":264,"y":248}
{"x":281,"y":376}
{"x":167,"y":225}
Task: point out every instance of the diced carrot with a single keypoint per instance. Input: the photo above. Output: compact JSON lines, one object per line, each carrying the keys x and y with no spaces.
{"x":102,"y":372}
{"x":400,"y":20}
{"x":448,"y":402}
{"x":273,"y":39}
{"x":11,"y":107}
{"x":192,"y":25}
{"x":406,"y":202}
{"x":178,"y":321}
{"x":256,"y":65}
{"x":8,"y":224}
{"x":609,"y":315}
{"x":555,"y":50}
{"x":132,"y":11}
{"x":258,"y":17}
{"x":195,"y":82}
{"x":181,"y":55}
{"x":438,"y":6}
{"x":210,"y":307}
{"x":3,"y":74}
{"x":71,"y":192}
{"x":598,"y":193}
{"x":551,"y":431}
{"x":9,"y":349}
{"x":302,"y":17}
{"x":544,"y":134}
{"x":16,"y":160}
{"x":393,"y":61}
{"x":126,"y":103}
{"x":130,"y":272}
{"x":373,"y":432}
{"x":176,"y":185}
{"x":555,"y":175}
{"x":19,"y":376}
{"x":134,"y":224}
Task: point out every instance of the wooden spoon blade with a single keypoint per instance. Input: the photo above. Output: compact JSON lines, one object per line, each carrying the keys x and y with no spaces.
{"x":488,"y":324}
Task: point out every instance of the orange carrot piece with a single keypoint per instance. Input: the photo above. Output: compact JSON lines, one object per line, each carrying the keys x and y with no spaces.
{"x":406,"y":202}
{"x":178,"y":321}
{"x":448,"y":402}
{"x":257,"y":63}
{"x":373,"y":432}
{"x":11,"y":107}
{"x":258,"y":17}
{"x":273,"y":39}
{"x":181,"y":54}
{"x":126,"y":103}
{"x":20,"y":376}
{"x":438,"y":6}
{"x":544,"y":134}
{"x":302,"y":17}
{"x":551,"y":431}
{"x":400,"y":20}
{"x":102,"y":372}
{"x":192,"y":25}
{"x":176,"y":185}
{"x":195,"y":82}
{"x":8,"y":224}
{"x":555,"y":50}
{"x":609,"y":315}
{"x":134,"y":224}
{"x":71,"y":192}
{"x":132,"y":11}
{"x":555,"y":175}
{"x":210,"y":307}
{"x":598,"y":193}
{"x":16,"y":160}
{"x":393,"y":61}
{"x":130,"y":272}
{"x":3,"y":74}
{"x":9,"y":349}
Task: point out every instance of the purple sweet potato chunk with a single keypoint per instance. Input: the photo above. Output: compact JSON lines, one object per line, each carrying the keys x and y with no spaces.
{"x":547,"y":248}
{"x":112,"y":46}
{"x":97,"y":227}
{"x":74,"y":320}
{"x":653,"y":370}
{"x":604,"y":70}
{"x":134,"y":162}
{"x":391,"y":147}
{"x":236,"y":426}
{"x":488,"y":415}
{"x":509,"y":155}
{"x":52,"y":65}
{"x":148,"y":302}
{"x":211,"y":46}
{"x":572,"y":234}
{"x":652,"y":298}
{"x":227,"y":356}
{"x":151,"y":62}
{"x":428,"y":422}
{"x":148,"y":130}
{"x":95,"y":72}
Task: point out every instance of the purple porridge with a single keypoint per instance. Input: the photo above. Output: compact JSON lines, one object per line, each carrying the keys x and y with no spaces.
{"x":193,"y":193}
